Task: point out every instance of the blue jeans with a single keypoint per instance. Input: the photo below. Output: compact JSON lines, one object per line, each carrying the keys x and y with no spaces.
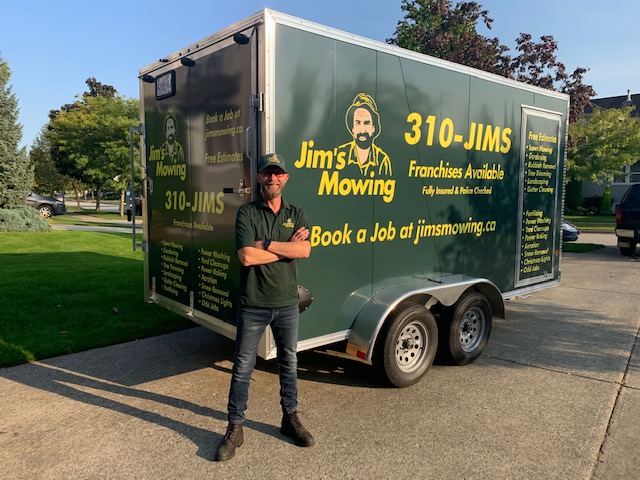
{"x":251,"y":324}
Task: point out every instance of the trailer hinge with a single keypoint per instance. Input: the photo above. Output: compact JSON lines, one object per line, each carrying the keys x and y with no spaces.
{"x":191,"y":304}
{"x":257,"y":102}
{"x":153,"y":297}
{"x":242,"y":189}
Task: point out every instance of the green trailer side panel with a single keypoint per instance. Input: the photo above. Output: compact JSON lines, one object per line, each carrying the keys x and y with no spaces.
{"x":495,"y":253}
{"x":307,"y":124}
{"x":440,"y":191}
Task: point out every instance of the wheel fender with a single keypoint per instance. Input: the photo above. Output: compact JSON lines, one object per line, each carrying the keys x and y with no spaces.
{"x":447,"y":290}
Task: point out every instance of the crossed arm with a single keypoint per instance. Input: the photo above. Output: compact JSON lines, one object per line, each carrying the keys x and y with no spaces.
{"x":298,"y":246}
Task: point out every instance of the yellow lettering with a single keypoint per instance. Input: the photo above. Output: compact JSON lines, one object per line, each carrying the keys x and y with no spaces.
{"x":331,"y":184}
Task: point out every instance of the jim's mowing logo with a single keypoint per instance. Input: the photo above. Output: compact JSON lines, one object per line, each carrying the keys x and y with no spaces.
{"x":170,"y":156}
{"x":358,"y":167}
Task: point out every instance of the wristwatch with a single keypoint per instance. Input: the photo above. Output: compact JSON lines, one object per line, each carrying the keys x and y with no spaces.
{"x":265,"y":244}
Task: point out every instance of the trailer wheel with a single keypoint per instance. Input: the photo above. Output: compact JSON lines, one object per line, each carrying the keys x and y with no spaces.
{"x":469,"y":327}
{"x":406,"y":345}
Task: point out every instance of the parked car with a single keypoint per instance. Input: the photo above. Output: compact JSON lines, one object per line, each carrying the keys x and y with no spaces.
{"x":47,"y":206}
{"x":628,"y":221}
{"x":127,"y":205}
{"x":569,"y":232}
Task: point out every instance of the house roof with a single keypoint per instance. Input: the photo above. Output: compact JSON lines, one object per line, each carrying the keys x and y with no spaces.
{"x":616,"y":102}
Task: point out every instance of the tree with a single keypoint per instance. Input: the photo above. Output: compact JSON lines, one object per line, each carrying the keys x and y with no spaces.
{"x":537,"y":65}
{"x":16,"y":174}
{"x":603,"y":143}
{"x":97,"y":89}
{"x":47,"y":179}
{"x":90,"y":138}
{"x":435,"y":27}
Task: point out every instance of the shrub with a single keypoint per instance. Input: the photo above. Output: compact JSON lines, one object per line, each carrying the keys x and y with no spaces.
{"x":22,"y":219}
{"x":605,"y":202}
{"x":573,"y":195}
{"x":592,"y":204}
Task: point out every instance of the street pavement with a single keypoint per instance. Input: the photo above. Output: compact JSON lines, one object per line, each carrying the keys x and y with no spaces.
{"x":606,"y":239}
{"x":555,"y":395}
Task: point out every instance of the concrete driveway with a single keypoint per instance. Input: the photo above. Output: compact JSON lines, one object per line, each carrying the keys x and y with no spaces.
{"x":555,"y":395}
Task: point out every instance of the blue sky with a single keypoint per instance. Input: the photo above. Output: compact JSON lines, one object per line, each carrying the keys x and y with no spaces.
{"x":53,"y":47}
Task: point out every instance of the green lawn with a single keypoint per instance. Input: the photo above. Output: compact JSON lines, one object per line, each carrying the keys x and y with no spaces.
{"x":593,"y":223}
{"x":580,"y":247}
{"x":69,"y":291}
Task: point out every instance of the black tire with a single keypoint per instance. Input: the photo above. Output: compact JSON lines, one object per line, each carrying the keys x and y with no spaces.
{"x":465,"y":329}
{"x":46,"y":211}
{"x":406,"y":345}
{"x":628,"y":251}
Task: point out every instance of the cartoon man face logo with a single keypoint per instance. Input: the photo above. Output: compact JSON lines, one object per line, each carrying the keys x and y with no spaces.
{"x":363,"y":128}
{"x":363,"y":122}
{"x":170,"y":129}
{"x":171,"y":150}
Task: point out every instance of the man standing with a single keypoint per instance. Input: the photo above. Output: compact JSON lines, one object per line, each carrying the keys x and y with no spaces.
{"x":271,"y":234}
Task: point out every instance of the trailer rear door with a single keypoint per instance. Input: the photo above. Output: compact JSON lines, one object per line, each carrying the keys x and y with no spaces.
{"x":540,"y":181}
{"x":198,"y":118}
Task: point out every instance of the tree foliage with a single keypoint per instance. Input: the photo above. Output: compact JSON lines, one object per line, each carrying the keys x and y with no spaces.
{"x":47,"y":180}
{"x":90,"y":138}
{"x":434,"y":28}
{"x":97,"y":89}
{"x":603,"y":143}
{"x":537,"y":64}
{"x":16,"y":174}
{"x":437,"y":28}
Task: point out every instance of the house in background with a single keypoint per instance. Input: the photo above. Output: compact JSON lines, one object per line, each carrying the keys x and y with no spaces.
{"x":630,"y":174}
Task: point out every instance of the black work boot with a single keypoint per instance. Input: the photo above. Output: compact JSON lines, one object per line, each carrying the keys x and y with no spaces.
{"x":292,"y":428}
{"x":232,"y":439}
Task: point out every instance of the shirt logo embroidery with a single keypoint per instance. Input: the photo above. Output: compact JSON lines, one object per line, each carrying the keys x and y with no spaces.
{"x":288,"y":223}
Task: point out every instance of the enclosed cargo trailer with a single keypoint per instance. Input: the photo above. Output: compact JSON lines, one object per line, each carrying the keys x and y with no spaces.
{"x":433,"y":190}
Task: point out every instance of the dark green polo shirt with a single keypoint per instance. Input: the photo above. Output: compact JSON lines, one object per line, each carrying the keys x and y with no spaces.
{"x":275,"y":284}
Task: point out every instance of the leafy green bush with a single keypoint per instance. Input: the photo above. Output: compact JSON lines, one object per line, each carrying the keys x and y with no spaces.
{"x":605,"y":202}
{"x":573,"y":195}
{"x":22,"y":219}
{"x":591,"y":205}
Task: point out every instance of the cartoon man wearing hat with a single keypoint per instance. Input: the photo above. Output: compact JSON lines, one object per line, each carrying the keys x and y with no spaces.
{"x":271,"y":235}
{"x":363,"y":122}
{"x":171,"y":150}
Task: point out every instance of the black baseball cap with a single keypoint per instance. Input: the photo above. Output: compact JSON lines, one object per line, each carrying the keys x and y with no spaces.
{"x":271,"y":160}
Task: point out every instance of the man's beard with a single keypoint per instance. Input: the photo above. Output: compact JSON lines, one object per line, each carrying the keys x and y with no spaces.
{"x":171,"y":139}
{"x":364,"y":143}
{"x":271,"y":194}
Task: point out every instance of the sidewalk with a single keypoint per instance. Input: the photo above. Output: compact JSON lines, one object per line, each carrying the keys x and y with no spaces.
{"x":555,"y":395}
{"x":119,"y":225}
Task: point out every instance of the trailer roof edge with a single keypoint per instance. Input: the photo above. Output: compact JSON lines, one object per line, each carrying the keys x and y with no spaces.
{"x":337,"y":34}
{"x":289,"y":20}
